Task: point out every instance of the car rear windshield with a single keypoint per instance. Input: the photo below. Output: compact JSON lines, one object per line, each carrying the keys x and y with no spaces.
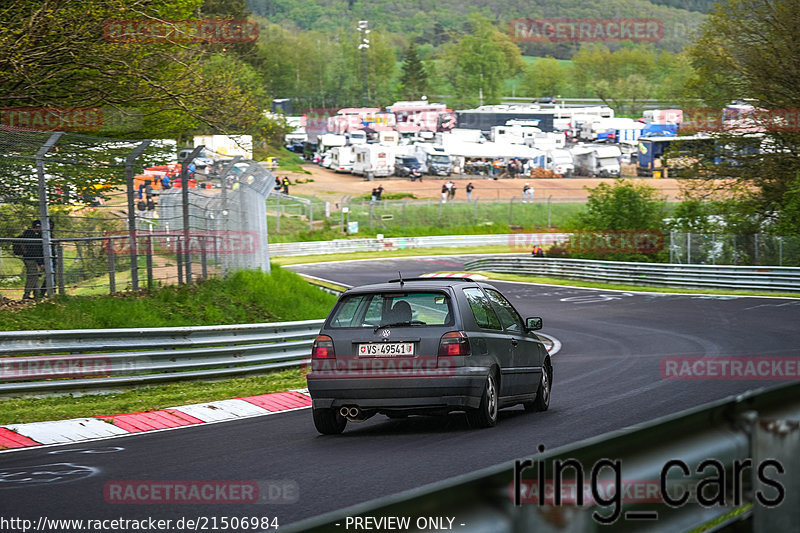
{"x":380,"y":309}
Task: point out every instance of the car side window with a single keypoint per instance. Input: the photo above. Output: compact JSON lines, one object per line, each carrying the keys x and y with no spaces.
{"x":482,"y":309}
{"x":508,"y":315}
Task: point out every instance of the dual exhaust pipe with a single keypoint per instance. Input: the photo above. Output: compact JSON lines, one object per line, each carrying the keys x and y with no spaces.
{"x":349,"y":413}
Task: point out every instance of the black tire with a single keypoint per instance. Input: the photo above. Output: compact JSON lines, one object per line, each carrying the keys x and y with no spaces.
{"x":328,"y":421}
{"x":542,"y":401}
{"x":485,"y":416}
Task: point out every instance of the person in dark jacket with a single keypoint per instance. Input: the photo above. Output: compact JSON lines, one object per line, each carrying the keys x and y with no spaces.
{"x":33,"y":258}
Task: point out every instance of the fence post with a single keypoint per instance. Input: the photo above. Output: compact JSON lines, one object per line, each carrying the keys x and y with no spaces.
{"x":150,"y":262}
{"x":134,"y":253}
{"x":44,"y":214}
{"x":688,"y":248}
{"x":185,"y":198}
{"x":60,"y":269}
{"x":755,"y":248}
{"x":511,"y":211}
{"x":548,"y":210}
{"x":780,"y":251}
{"x":179,"y":257}
{"x":112,"y":266}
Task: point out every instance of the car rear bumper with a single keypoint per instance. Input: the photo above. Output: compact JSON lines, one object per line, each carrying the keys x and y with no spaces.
{"x":461,"y":389}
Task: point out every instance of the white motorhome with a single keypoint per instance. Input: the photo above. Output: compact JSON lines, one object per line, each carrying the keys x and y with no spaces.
{"x":546,"y":140}
{"x":513,"y":133}
{"x":596,"y":160}
{"x":373,"y":160}
{"x":388,"y":138}
{"x":327,"y":141}
{"x":341,"y":159}
{"x":357,"y":137}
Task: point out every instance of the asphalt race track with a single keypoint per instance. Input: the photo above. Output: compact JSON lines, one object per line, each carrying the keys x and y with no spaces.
{"x":608,"y":375}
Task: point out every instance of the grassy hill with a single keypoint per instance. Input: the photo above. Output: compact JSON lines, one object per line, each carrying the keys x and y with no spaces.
{"x":434,"y":23}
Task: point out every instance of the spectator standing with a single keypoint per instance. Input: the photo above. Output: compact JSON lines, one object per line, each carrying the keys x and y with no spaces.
{"x":470,"y":187}
{"x":537,"y":251}
{"x":33,"y":258}
{"x":374,"y":194}
{"x":452,"y":191}
{"x":527,"y":193}
{"x":378,"y":192}
{"x":445,"y":192}
{"x":285,"y":184}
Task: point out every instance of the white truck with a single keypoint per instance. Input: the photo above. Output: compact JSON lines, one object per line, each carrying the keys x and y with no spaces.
{"x":558,"y":160}
{"x":435,"y":159}
{"x":596,"y":160}
{"x":373,"y":161}
{"x":226,"y":146}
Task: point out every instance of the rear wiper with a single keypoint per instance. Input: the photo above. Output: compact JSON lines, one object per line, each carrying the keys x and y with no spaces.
{"x":404,"y":323}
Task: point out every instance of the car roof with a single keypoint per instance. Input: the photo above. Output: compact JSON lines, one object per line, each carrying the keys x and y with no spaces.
{"x":417,"y":284}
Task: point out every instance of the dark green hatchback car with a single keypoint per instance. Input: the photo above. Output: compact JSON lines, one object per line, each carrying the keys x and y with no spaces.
{"x":426,"y":346}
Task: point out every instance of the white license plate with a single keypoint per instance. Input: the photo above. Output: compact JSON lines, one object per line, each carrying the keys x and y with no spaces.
{"x":386,"y":349}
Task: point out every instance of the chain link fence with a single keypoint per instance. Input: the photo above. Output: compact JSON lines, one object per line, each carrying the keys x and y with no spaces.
{"x":724,"y":249}
{"x":105,"y":225}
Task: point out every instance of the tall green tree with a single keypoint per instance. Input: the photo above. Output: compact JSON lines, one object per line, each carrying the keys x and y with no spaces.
{"x":55,"y":53}
{"x":413,"y":77}
{"x":749,"y":50}
{"x":545,"y":77}
{"x":477,"y":65}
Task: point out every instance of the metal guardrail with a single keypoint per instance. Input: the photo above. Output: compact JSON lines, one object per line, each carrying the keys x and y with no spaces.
{"x":759,"y":426}
{"x":762,"y":278}
{"x":59,"y":360}
{"x":511,"y":240}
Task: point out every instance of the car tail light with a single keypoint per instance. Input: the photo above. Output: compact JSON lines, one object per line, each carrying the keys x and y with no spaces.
{"x":323,"y":348}
{"x":454,"y":343}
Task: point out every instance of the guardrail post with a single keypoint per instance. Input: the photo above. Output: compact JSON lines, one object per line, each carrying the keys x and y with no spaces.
{"x":775,"y":443}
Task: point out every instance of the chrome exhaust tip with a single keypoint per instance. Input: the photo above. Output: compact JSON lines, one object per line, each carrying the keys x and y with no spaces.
{"x":353,"y":412}
{"x":344,"y":411}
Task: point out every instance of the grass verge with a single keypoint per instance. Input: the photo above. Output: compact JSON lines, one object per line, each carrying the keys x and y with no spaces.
{"x":244,"y":298}
{"x":22,"y":410}
{"x":389,"y":253}
{"x":629,"y":288}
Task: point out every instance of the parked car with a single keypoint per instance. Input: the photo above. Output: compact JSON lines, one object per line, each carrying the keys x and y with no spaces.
{"x":426,"y":346}
{"x":403,"y":165}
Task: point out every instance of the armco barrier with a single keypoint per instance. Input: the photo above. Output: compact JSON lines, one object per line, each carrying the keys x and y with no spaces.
{"x":715,"y":442}
{"x":515,"y":241}
{"x":59,"y":360}
{"x":759,"y":278}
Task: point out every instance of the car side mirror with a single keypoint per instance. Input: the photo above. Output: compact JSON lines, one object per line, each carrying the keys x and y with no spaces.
{"x":533,"y":323}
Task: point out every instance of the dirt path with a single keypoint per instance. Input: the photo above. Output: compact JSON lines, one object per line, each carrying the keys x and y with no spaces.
{"x":331,"y":186}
